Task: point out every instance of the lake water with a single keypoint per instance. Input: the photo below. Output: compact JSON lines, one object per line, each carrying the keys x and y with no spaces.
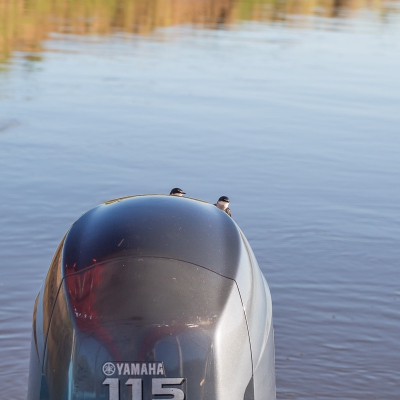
{"x":290,"y":109}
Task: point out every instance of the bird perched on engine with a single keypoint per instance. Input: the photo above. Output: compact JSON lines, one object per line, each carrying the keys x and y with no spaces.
{"x":223,"y":204}
{"x":177,"y":192}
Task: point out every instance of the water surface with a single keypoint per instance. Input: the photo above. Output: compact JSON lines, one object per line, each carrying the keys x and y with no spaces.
{"x":289,"y":108}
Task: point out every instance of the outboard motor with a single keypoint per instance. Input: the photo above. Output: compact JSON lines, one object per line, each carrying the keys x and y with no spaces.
{"x":153,"y":297}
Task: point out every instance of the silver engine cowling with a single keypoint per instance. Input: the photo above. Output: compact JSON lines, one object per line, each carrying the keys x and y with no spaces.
{"x":153,"y":297}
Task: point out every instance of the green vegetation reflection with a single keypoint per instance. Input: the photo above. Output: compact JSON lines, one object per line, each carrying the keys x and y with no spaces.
{"x":24,"y":24}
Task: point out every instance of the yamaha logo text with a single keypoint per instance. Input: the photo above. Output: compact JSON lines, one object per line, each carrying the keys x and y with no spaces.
{"x":133,"y":368}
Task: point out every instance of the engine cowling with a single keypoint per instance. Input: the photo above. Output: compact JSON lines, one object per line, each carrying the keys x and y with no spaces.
{"x":153,"y":297}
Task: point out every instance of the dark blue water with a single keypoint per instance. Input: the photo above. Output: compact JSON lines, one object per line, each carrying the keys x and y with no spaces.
{"x":299,"y":127}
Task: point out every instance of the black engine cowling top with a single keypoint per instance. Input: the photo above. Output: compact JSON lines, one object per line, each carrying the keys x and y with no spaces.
{"x":157,"y":226}
{"x":153,"y":297}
